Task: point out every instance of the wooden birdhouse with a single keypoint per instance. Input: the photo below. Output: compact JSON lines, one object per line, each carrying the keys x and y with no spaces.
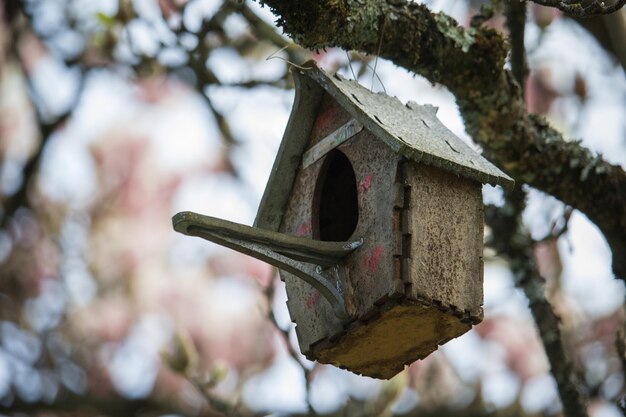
{"x":373,"y":212}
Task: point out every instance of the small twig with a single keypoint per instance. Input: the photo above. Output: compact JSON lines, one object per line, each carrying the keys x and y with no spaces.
{"x":278,"y":83}
{"x":516,"y":22}
{"x":217,"y":404}
{"x":365,"y":60}
{"x":295,"y":355}
{"x":380,"y":44}
{"x":620,"y":347}
{"x":216,"y":22}
{"x":620,"y":342}
{"x":350,"y":65}
{"x":46,"y":128}
{"x":558,"y":229}
{"x":222,"y":124}
{"x":274,"y":55}
{"x":268,"y":32}
{"x":579,"y":9}
{"x":183,"y":359}
{"x":367,"y":65}
{"x":486,"y":12}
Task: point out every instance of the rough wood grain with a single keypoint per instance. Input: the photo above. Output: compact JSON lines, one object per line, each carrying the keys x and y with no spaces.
{"x":399,"y":335}
{"x":447,"y":228}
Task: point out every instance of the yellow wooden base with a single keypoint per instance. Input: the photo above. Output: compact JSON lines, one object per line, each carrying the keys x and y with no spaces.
{"x":401,"y":334}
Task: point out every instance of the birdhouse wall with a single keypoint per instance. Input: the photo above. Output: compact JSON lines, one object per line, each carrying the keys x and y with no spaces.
{"x":374,"y":271}
{"x":446,"y":225}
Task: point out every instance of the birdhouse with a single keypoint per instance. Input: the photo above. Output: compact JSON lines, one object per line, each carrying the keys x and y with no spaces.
{"x":373,"y":212}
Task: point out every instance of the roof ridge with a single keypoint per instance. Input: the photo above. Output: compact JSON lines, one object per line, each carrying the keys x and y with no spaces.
{"x":428,"y":140}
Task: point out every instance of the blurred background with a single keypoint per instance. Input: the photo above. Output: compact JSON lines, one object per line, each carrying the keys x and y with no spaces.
{"x":114,"y":115}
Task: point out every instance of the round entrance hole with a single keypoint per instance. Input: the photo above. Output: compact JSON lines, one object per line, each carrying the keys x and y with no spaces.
{"x":335,"y":208}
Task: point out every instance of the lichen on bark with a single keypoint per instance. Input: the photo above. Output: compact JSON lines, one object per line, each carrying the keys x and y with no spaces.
{"x":463,"y":39}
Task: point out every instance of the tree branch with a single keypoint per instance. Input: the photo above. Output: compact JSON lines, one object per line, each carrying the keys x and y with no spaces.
{"x":610,"y":32}
{"x":470,"y":62}
{"x":46,"y":127}
{"x":295,"y":355}
{"x":516,"y":22}
{"x":582,"y":9}
{"x":514,"y":243}
{"x":115,"y":406}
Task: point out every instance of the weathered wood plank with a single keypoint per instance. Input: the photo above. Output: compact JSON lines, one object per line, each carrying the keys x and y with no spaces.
{"x":447,"y":225}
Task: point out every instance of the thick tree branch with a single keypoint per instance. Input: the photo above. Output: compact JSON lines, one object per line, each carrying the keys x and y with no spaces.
{"x":470,"y":62}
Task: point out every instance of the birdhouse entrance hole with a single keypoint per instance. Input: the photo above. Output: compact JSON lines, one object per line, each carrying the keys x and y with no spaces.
{"x":335,"y":204}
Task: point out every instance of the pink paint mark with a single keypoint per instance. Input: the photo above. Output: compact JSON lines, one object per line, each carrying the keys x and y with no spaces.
{"x":366,"y":183}
{"x":372,"y":261}
{"x":311,"y":300}
{"x":304,"y":229}
{"x":324,"y":119}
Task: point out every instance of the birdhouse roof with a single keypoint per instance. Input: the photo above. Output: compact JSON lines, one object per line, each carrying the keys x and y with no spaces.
{"x":412,"y":130}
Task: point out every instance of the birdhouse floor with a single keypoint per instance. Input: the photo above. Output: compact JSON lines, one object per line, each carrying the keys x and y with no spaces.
{"x":382,"y":346}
